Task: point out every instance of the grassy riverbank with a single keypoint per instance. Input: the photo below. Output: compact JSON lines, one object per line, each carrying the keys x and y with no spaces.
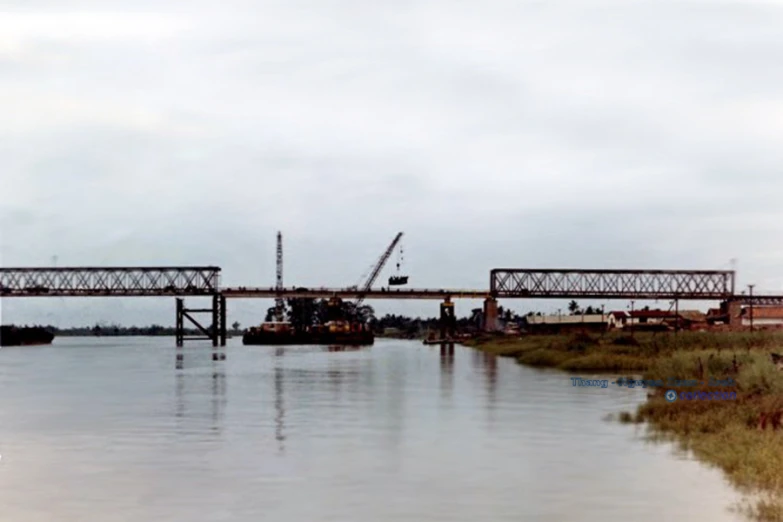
{"x":721,"y":433}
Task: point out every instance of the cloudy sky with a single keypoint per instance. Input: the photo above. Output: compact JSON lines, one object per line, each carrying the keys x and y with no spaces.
{"x":615,"y":134}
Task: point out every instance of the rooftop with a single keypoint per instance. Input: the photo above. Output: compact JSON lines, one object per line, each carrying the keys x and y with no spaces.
{"x":764,"y":312}
{"x":662,"y":314}
{"x":567,"y":319}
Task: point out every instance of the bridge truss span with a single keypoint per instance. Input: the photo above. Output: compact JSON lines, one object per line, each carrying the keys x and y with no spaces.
{"x":760,"y":300}
{"x":612,"y":284}
{"x":109,"y":281}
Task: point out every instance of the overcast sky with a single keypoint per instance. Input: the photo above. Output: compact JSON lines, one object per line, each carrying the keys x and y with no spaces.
{"x":518,"y":134}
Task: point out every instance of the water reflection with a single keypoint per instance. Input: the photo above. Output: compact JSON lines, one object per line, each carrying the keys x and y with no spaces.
{"x":446,"y":369}
{"x":218,"y":399}
{"x":395,"y":413}
{"x":491,"y":372}
{"x":180,"y":394}
{"x":279,"y":406}
{"x":190,"y":389}
{"x":342,"y":348}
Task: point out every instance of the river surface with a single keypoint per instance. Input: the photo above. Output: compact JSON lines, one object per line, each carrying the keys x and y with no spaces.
{"x":106,"y":429}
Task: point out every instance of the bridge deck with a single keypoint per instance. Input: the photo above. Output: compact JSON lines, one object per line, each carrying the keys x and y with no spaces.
{"x":349,"y":293}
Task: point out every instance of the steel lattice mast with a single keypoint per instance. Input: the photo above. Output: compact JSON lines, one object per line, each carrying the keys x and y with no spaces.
{"x":279,"y":302}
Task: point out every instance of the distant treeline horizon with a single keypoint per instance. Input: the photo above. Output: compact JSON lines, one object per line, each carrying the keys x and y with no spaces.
{"x":403,"y":323}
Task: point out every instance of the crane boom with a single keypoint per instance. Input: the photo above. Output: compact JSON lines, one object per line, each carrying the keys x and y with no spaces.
{"x":279,"y":303}
{"x":378,"y":267}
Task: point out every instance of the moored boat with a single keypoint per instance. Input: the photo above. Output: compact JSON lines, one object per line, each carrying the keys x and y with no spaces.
{"x":331,"y":333}
{"x":438,"y":341}
{"x":11,"y":335}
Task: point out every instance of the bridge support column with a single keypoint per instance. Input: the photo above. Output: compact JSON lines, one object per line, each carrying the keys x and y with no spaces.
{"x":448,"y":321}
{"x":218,"y":329}
{"x":218,"y":320}
{"x":734,"y":310}
{"x":490,"y":314}
{"x":179,"y":331}
{"x":215,"y":333}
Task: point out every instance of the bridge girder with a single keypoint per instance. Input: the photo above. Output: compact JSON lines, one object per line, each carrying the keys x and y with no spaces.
{"x":612,"y":284}
{"x":760,"y":300}
{"x":110,"y":281}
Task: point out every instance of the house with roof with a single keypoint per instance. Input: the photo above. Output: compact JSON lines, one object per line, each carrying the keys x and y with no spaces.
{"x":650,"y":317}
{"x":618,"y":319}
{"x":568,"y":323}
{"x":693,"y":318}
{"x":666,"y":319}
{"x":763,"y":316}
{"x":717,"y":316}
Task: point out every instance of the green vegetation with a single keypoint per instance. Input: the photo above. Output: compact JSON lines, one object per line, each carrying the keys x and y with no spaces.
{"x":116,"y":330}
{"x":726,"y":433}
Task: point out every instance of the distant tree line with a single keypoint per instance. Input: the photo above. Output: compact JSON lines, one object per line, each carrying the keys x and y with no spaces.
{"x":111,"y":330}
{"x":574,"y":309}
{"x":303,"y":312}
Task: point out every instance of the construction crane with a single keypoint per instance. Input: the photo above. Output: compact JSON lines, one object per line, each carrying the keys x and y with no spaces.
{"x":398,"y":279}
{"x":279,"y":303}
{"x":376,"y":270}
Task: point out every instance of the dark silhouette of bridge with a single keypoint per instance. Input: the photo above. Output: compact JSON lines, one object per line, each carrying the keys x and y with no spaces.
{"x":506,"y":283}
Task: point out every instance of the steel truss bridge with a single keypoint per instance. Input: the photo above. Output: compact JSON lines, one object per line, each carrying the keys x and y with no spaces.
{"x":120,"y":281}
{"x":612,"y":284}
{"x":506,"y":283}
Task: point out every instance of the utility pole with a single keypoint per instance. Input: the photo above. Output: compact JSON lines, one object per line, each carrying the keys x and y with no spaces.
{"x":677,"y":315}
{"x":750,"y":295}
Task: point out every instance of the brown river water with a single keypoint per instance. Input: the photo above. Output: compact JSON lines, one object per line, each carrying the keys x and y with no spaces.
{"x":106,"y":429}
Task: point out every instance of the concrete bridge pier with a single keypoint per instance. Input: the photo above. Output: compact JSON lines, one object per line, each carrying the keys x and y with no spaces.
{"x":448,"y":321}
{"x":218,"y":329}
{"x":734,"y":310}
{"x":490,"y":314}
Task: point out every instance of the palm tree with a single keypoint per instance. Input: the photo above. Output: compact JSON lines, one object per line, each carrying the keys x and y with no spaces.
{"x":270,"y":314}
{"x":476,"y":316}
{"x":365,"y":313}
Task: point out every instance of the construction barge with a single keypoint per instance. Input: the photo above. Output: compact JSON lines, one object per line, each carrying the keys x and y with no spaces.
{"x":24,"y":336}
{"x":331,"y":333}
